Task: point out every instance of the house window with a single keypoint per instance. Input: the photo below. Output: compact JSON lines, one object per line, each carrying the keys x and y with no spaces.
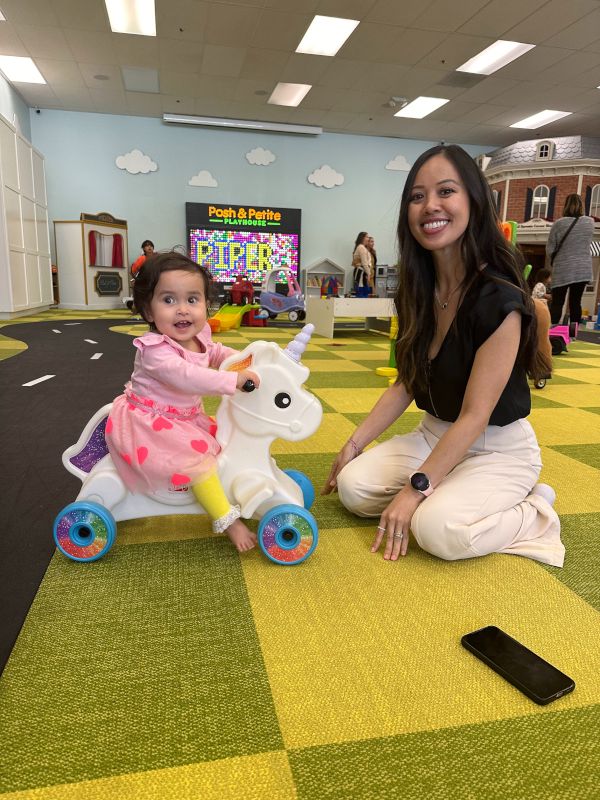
{"x":539,"y":205}
{"x":544,"y":151}
{"x":595,"y":201}
{"x":495,"y":198}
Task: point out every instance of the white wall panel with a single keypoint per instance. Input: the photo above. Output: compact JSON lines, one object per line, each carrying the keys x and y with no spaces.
{"x":14,"y":228}
{"x":25,"y":168}
{"x":18,"y":280}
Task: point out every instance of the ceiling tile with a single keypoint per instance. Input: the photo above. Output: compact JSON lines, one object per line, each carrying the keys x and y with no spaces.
{"x":215,"y":87}
{"x":224,"y":61}
{"x":264,"y":65}
{"x":392,"y":12}
{"x":85,"y":16}
{"x":10,"y":43}
{"x":177,"y":83}
{"x":213,"y":108}
{"x":499,"y":15}
{"x":342,"y":73}
{"x":371,"y":42}
{"x":538,"y":62}
{"x":109,"y":102}
{"x":444,"y":16}
{"x":179,"y":55}
{"x":33,"y":12}
{"x":388,"y":78}
{"x":575,"y":66}
{"x":276,"y":30}
{"x":488,"y":89}
{"x":88,"y":72}
{"x":230,"y":27}
{"x":321,"y":97}
{"x":88,"y":46}
{"x":549,"y":20}
{"x":144,"y":104}
{"x":74,"y":98}
{"x":302,"y":68}
{"x":136,"y":51}
{"x":182,"y":20}
{"x":177,"y":104}
{"x":60,"y":73}
{"x":43,"y":42}
{"x":579,"y":34}
{"x":454,"y":50}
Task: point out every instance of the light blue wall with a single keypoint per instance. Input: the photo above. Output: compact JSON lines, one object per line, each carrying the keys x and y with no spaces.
{"x":81,"y":149}
{"x":11,"y":104}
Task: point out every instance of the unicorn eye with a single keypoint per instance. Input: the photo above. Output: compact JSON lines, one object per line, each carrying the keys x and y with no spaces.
{"x":282,"y":400}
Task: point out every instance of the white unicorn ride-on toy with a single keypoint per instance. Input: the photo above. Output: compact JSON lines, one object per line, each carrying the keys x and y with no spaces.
{"x":247,"y":424}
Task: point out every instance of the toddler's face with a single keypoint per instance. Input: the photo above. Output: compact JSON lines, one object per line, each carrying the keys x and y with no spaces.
{"x":178,"y":306}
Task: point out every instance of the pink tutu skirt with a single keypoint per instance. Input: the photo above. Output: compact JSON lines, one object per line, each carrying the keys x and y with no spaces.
{"x":157,"y":447}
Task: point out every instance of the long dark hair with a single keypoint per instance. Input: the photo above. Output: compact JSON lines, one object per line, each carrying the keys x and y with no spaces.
{"x":359,"y":239}
{"x":149,"y":273}
{"x":482,"y":243}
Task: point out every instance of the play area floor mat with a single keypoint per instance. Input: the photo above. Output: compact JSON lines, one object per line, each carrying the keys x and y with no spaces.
{"x":175,"y":669}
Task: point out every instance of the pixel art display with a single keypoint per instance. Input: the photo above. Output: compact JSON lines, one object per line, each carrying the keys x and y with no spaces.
{"x":227,"y":253}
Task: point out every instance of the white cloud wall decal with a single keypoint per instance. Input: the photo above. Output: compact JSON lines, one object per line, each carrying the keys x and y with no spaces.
{"x":135,"y":162}
{"x":203,"y":178}
{"x":260,"y":157}
{"x":326,"y":177}
{"x":399,"y":163}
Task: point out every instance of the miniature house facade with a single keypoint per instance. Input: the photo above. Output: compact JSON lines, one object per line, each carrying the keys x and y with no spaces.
{"x":530,"y":181}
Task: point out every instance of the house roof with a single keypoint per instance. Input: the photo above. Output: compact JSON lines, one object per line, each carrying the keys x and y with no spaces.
{"x":566,"y":148}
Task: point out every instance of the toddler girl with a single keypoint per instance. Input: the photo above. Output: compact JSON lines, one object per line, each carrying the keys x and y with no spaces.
{"x":158,"y":434}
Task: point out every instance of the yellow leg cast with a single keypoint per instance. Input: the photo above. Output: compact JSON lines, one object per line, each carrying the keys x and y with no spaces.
{"x":209,"y":493}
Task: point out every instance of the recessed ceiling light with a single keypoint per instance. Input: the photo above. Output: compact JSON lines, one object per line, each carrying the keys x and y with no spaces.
{"x":421,"y":107}
{"x":20,"y":69}
{"x":132,"y":16}
{"x":543,"y":118}
{"x":325,"y":35}
{"x":494,"y":57}
{"x":101,"y":77}
{"x":289,"y":94}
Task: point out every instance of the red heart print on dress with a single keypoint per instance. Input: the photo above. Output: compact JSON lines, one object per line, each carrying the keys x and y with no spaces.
{"x":180,"y":480}
{"x":142,"y":455}
{"x":160,"y":424}
{"x":126,"y":458}
{"x":199,"y":445}
{"x":109,"y":426}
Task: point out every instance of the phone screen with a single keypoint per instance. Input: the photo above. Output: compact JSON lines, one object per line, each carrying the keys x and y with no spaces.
{"x":538,"y":679}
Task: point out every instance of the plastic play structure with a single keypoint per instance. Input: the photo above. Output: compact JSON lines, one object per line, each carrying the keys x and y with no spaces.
{"x":247,"y":424}
{"x":230,"y":316}
{"x":274,"y":303}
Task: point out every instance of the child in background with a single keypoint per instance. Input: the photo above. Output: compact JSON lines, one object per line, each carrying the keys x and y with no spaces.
{"x":148,"y":249}
{"x":158,"y":434}
{"x":541,"y":290}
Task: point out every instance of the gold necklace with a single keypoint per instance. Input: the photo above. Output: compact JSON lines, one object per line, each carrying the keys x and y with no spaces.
{"x":444,"y":306}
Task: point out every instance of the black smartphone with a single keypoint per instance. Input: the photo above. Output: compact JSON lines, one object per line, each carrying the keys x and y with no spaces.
{"x":529,"y":673}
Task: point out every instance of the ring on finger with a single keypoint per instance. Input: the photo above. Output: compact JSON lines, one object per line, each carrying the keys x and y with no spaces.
{"x":399,"y":535}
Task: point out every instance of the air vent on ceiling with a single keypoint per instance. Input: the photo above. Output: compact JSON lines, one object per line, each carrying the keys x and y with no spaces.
{"x":461,"y":80}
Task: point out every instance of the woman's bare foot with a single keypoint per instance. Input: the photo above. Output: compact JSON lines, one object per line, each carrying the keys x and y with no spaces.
{"x":241,"y":536}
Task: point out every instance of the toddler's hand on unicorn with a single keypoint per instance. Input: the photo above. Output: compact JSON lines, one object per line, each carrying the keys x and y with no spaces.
{"x":247,"y":380}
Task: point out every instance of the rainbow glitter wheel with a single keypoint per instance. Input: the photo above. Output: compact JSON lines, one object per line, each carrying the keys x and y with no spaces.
{"x":84,"y":531}
{"x":288,"y":534}
{"x":308,"y":491}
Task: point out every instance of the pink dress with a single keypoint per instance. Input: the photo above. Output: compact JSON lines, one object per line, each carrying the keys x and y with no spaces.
{"x":157,"y":432}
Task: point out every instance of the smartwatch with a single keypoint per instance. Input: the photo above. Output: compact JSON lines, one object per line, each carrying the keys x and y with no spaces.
{"x":421,"y":483}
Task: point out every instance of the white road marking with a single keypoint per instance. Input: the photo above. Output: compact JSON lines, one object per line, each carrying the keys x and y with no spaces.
{"x":96,"y":356}
{"x":91,"y":341}
{"x":55,"y":331}
{"x":73,"y":323}
{"x":39,"y":380}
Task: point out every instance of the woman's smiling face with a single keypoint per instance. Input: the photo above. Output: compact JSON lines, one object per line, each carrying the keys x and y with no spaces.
{"x":438,"y":210}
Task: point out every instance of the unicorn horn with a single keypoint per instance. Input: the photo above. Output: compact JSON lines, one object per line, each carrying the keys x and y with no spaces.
{"x":298,"y":344}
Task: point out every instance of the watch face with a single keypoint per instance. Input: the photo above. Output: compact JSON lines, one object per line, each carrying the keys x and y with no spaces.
{"x":420,"y":482}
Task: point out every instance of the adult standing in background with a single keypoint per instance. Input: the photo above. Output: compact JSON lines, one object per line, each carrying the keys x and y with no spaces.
{"x":370,"y":244}
{"x":568,"y":246}
{"x":362,"y":266}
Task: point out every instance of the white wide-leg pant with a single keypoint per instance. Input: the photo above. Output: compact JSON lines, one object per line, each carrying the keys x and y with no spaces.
{"x":484,"y":505}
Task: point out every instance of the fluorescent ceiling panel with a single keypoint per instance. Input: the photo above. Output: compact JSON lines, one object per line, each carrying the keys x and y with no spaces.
{"x":421,"y":107}
{"x":246,"y":124}
{"x":495,"y":57}
{"x":543,"y":118}
{"x":138,"y":79}
{"x":325,"y":35}
{"x":132,"y":16}
{"x":20,"y":69}
{"x":289,"y":94}
{"x":2,"y":17}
